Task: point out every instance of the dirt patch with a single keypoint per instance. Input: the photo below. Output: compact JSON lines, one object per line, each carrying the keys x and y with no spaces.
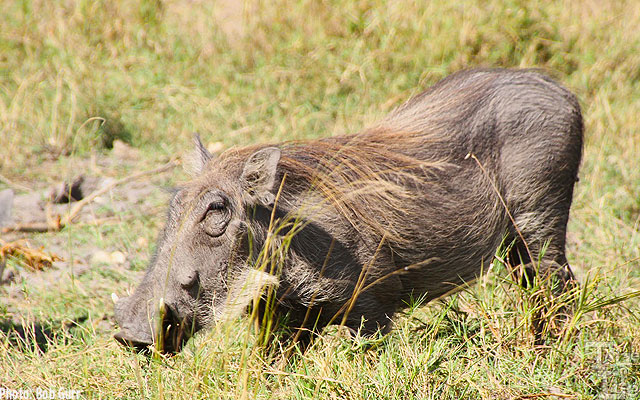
{"x":104,"y":249}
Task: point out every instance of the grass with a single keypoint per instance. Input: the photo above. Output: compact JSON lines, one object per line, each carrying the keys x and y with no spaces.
{"x":75,"y":75}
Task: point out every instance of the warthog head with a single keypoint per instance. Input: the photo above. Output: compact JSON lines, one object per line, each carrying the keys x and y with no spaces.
{"x":199,"y":272}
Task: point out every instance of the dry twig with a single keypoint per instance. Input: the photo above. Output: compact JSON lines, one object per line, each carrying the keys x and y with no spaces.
{"x":56,"y":223}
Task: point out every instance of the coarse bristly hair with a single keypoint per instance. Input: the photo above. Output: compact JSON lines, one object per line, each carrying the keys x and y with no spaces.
{"x":368,"y":177}
{"x":371,"y":179}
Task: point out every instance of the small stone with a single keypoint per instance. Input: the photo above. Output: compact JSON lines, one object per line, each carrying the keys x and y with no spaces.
{"x":118,"y":257}
{"x":103,"y":257}
{"x":142,"y":242}
{"x":123,"y":151}
{"x":100,"y":257}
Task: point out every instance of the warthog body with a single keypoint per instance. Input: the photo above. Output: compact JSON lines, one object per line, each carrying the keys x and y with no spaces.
{"x":350,"y":228}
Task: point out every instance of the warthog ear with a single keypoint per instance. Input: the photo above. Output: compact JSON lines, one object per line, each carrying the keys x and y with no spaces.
{"x":199,"y":157}
{"x":259,"y":175}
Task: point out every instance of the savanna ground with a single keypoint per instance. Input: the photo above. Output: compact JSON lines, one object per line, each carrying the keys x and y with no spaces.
{"x":78,"y":75}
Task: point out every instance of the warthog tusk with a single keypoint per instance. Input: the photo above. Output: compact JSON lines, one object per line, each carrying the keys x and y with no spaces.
{"x":114,"y":298}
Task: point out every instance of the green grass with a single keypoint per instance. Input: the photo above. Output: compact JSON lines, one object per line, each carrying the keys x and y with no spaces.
{"x":75,"y":75}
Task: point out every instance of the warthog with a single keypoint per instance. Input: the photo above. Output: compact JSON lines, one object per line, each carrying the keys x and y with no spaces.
{"x":348,"y":229}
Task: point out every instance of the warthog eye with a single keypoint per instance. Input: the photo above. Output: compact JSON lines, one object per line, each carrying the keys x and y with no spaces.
{"x":215,"y":218}
{"x":216,"y":206}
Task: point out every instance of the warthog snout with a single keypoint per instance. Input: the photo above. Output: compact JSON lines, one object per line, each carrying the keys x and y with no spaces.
{"x":160,"y":326}
{"x":126,"y":338}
